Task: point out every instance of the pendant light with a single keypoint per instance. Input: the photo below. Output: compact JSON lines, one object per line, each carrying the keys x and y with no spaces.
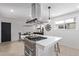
{"x":48,"y":26}
{"x":49,"y":7}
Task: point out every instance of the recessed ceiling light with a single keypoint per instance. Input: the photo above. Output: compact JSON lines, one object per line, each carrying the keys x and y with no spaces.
{"x":11,"y":10}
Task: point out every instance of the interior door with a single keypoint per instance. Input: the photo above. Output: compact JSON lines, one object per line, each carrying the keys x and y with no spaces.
{"x":5,"y":32}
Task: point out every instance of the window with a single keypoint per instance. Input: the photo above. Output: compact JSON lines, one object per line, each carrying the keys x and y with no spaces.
{"x":66,"y":24}
{"x":61,"y":26}
{"x":70,"y":25}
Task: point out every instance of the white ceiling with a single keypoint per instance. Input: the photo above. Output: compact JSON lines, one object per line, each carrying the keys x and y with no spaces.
{"x":22,"y":10}
{"x":58,"y":9}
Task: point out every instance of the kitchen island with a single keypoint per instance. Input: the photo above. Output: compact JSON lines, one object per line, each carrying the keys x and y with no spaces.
{"x":43,"y":47}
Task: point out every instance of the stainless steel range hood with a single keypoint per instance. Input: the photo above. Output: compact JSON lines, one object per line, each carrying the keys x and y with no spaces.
{"x":35,"y":13}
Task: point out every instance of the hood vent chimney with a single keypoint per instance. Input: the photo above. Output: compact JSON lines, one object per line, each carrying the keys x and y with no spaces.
{"x":36,"y":10}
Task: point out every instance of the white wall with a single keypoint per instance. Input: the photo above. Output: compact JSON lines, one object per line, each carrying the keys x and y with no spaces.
{"x":70,"y":37}
{"x":17,"y":25}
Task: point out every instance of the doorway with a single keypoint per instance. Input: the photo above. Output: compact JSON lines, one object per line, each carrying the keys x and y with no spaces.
{"x":5,"y":32}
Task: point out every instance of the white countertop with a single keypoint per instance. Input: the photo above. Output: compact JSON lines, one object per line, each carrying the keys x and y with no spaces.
{"x":50,"y":40}
{"x":46,"y":42}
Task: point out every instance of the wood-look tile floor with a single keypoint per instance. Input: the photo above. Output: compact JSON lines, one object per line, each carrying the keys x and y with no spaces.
{"x":67,"y":51}
{"x":12,"y":49}
{"x":17,"y":49}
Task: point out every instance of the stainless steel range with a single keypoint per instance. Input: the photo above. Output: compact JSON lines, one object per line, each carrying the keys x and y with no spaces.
{"x":30,"y":48}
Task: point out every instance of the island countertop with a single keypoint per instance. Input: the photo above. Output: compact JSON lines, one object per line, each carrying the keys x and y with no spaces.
{"x":50,"y":40}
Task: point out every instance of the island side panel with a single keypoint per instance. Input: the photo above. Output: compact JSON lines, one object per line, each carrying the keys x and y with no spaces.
{"x":45,"y":51}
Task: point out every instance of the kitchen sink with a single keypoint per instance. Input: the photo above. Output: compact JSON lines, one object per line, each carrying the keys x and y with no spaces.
{"x":36,"y":38}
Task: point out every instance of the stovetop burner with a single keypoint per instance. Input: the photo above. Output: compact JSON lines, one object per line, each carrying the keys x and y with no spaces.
{"x":36,"y":38}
